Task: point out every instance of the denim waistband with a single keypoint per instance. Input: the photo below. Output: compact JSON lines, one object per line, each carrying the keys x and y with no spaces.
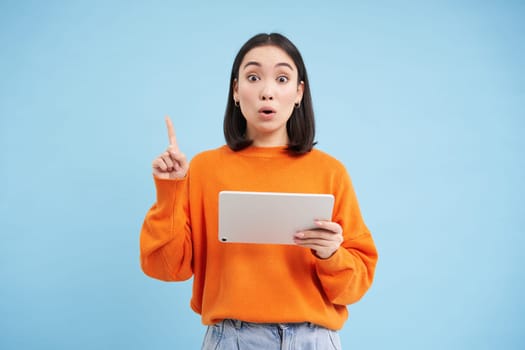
{"x":238,"y":324}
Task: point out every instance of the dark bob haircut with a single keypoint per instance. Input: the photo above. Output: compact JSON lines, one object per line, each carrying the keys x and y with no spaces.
{"x":301,"y":125}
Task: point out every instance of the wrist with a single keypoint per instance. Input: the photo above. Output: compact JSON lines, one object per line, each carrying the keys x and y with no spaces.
{"x":323,"y":256}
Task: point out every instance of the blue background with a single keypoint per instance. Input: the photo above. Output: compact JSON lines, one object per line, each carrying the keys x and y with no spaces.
{"x":423,"y":102}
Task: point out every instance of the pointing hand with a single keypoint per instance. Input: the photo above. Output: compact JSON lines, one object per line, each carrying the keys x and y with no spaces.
{"x":171,"y":164}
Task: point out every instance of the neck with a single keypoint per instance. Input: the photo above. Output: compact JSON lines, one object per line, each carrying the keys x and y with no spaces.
{"x":269,"y":140}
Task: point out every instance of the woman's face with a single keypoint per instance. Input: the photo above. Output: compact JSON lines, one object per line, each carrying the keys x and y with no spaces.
{"x":267,"y":90}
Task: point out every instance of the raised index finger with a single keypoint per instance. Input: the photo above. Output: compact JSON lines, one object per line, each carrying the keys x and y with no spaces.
{"x":171,"y":133}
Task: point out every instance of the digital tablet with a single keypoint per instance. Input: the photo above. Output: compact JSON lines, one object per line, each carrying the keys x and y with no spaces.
{"x":269,"y":217}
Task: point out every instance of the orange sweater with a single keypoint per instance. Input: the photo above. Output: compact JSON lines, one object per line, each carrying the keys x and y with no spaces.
{"x":252,"y":282}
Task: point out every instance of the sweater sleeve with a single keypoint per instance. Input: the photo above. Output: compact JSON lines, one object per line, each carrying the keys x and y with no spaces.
{"x":348,"y":274}
{"x":165,"y":238}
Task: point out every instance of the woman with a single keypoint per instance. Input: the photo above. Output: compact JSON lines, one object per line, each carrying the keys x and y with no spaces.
{"x":260,"y":296}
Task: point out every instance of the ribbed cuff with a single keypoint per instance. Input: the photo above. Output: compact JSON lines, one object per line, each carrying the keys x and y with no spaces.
{"x":167,"y":189}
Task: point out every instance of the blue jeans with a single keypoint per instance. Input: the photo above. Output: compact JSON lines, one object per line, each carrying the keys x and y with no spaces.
{"x":239,"y":335}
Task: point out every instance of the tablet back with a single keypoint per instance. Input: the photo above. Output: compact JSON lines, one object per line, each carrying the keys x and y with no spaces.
{"x":269,"y":217}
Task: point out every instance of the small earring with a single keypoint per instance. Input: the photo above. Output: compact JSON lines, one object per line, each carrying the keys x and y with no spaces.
{"x":297,"y":105}
{"x":237,"y":104}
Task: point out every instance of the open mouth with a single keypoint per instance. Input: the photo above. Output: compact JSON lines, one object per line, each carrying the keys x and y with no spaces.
{"x":267,"y":111}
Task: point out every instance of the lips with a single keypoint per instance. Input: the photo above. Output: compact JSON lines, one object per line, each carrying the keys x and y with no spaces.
{"x":267,"y":112}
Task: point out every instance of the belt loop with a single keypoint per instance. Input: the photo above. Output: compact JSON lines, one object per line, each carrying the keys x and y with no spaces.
{"x":238,"y":324}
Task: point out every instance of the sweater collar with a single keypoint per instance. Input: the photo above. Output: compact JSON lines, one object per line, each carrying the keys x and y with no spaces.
{"x":264,"y":152}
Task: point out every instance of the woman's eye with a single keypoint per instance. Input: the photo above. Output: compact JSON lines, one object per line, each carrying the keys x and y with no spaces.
{"x":253,"y":77}
{"x":282,"y":79}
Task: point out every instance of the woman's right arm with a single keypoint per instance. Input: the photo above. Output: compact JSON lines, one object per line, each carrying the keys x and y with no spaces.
{"x":165,"y":238}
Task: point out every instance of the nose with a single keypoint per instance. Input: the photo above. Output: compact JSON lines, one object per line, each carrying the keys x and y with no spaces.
{"x":267,"y":93}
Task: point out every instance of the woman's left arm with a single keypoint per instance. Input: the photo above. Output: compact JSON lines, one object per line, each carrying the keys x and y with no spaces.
{"x":345,"y":252}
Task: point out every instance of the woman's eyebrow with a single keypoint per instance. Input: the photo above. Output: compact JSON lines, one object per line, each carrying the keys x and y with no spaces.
{"x":284,"y":64}
{"x":257,"y":64}
{"x":252,"y":63}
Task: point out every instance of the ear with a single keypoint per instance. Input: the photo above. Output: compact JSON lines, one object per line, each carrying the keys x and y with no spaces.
{"x":235,"y":85}
{"x":300,"y":91}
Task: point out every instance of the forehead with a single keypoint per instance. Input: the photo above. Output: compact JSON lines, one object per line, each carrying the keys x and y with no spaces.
{"x":267,"y":56}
